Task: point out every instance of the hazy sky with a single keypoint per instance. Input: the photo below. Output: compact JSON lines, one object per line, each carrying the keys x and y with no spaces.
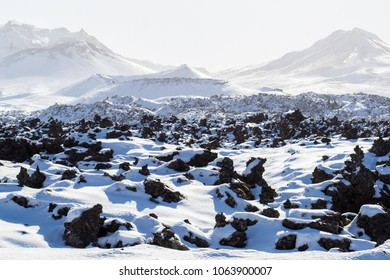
{"x":215,"y":34}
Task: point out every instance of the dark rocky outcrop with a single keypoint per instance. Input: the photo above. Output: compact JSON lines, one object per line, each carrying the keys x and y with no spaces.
{"x":199,"y":242}
{"x":320,"y":176}
{"x":203,"y":159}
{"x":18,"y":150}
{"x":286,"y":242}
{"x":167,"y":239}
{"x":226,"y":173}
{"x":84,"y":230}
{"x":380,"y":147}
{"x":34,"y":181}
{"x":158,"y":189}
{"x":22,"y":201}
{"x":179,"y":165}
{"x":69,"y":174}
{"x":220,"y":220}
{"x":237,"y":239}
{"x":329,"y":243}
{"x":144,"y":170}
{"x":270,"y":213}
{"x":376,"y":227}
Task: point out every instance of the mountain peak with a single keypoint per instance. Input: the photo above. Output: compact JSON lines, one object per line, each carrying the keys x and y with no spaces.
{"x":183,"y":71}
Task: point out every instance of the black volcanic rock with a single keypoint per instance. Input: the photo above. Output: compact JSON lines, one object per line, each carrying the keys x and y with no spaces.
{"x":84,"y":230}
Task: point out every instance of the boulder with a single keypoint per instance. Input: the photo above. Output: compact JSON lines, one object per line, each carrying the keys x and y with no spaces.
{"x":203,"y":159}
{"x":167,"y":239}
{"x":286,"y":242}
{"x":158,"y":189}
{"x":34,"y":181}
{"x":329,"y":243}
{"x":179,"y":165}
{"x":237,"y":239}
{"x":84,"y":230}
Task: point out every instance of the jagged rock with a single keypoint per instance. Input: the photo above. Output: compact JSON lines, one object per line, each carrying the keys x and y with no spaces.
{"x":153,"y":216}
{"x":68,"y":174}
{"x":237,"y":239}
{"x":329,"y":243}
{"x":286,"y":242}
{"x":84,"y":230}
{"x":267,"y":194}
{"x":179,"y":165}
{"x":34,"y":181}
{"x":294,"y":117}
{"x":242,"y":224}
{"x":22,"y":201}
{"x":199,"y":242}
{"x":349,"y":198}
{"x":270,"y":213}
{"x":293,"y":225}
{"x":52,"y":145}
{"x":52,"y":206}
{"x":255,"y":174}
{"x":61,"y":213}
{"x":104,"y":123}
{"x":17,"y":150}
{"x":302,"y":248}
{"x":220,"y":220}
{"x":242,"y":190}
{"x":202,"y":160}
{"x":288,"y":205}
{"x":376,"y":227}
{"x":114,"y":177}
{"x":251,"y":208}
{"x":230,"y":200}
{"x":330,"y":223}
{"x":380,"y":147}
{"x":103,"y":166}
{"x":167,"y":157}
{"x":320,"y":176}
{"x":125,"y":166}
{"x":226,"y":173}
{"x":167,"y":239}
{"x":158,"y":189}
{"x":319,"y":204}
{"x":113,"y":226}
{"x":144,"y":170}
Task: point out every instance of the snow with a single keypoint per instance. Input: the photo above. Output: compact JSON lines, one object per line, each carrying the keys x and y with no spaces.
{"x":371,"y":210}
{"x":345,"y":61}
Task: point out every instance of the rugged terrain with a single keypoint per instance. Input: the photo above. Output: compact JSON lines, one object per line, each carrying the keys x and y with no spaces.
{"x":271,"y":184}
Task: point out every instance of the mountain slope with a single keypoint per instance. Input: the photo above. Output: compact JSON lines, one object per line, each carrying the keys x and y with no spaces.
{"x":37,"y":62}
{"x":345,"y":61}
{"x":180,"y":81}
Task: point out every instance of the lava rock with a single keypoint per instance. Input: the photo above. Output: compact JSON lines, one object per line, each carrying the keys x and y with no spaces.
{"x":158,"y":189}
{"x":329,"y":243}
{"x":18,"y":150}
{"x":84,"y":230}
{"x":125,"y":166}
{"x":199,"y":242}
{"x":220,"y":220}
{"x":270,"y":213}
{"x":237,"y":239}
{"x":376,"y":227}
{"x":68,"y":174}
{"x":289,"y":205}
{"x":380,"y":147}
{"x":34,"y":181}
{"x":144,"y":170}
{"x":242,"y":190}
{"x":202,"y":160}
{"x":226,"y":173}
{"x":319,"y":204}
{"x":179,"y":165}
{"x":286,"y":242}
{"x":103,"y":166}
{"x":167,"y":239}
{"x":22,"y":201}
{"x":320,"y":176}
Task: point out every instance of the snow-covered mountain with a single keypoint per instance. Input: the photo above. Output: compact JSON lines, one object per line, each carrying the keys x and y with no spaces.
{"x":345,"y":61}
{"x":180,"y":81}
{"x":39,"y":61}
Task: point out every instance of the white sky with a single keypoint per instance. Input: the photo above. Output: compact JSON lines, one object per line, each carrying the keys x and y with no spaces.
{"x":215,"y":34}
